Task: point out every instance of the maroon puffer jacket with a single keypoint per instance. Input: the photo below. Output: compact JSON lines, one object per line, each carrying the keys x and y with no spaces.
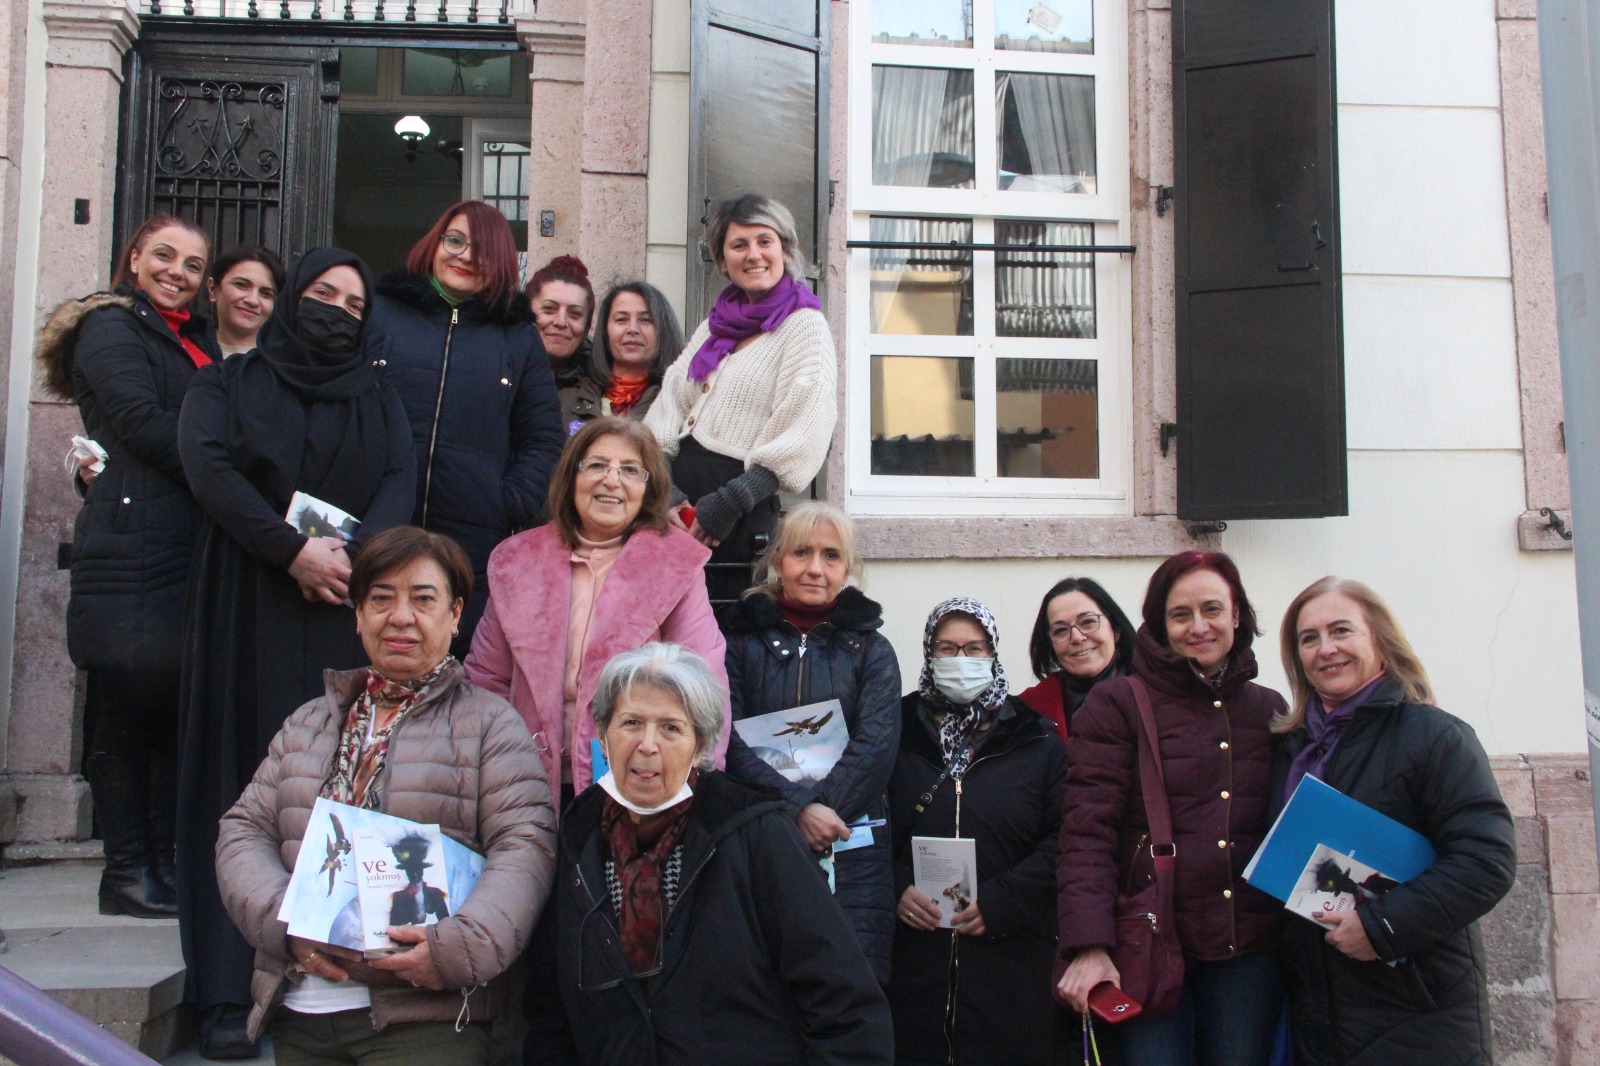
{"x":1216,"y":755}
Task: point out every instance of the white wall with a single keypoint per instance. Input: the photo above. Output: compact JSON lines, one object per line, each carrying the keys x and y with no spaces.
{"x":1433,"y":420}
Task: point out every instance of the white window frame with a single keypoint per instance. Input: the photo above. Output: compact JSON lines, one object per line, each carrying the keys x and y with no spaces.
{"x":1107,"y":209}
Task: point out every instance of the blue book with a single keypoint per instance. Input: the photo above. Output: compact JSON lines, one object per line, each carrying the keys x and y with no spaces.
{"x":1318,"y":815}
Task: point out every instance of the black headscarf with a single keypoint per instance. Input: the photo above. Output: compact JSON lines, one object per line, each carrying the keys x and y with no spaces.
{"x":314,"y":374}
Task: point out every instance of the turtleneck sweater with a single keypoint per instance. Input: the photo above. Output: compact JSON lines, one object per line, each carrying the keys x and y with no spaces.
{"x":591,"y":562}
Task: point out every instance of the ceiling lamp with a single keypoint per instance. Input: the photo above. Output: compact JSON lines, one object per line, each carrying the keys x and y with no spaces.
{"x":411,"y":129}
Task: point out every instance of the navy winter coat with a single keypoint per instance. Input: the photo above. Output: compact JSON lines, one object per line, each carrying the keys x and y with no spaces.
{"x":982,"y":1000}
{"x":757,"y":964}
{"x":1425,"y":769}
{"x":477,"y":389}
{"x":772,"y":667}
{"x":131,"y":543}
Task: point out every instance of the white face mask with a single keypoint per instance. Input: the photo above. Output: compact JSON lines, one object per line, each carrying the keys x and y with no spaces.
{"x":963,"y":679}
{"x":609,"y":783}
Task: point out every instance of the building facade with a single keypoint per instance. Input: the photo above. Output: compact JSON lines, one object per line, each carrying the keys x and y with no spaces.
{"x":1073,"y":335}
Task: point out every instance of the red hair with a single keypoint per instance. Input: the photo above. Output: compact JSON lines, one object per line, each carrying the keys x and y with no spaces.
{"x":567,"y":268}
{"x":494,"y":250}
{"x":1167,"y":575}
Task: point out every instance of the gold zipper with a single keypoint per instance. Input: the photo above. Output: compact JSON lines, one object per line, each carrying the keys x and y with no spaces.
{"x":438,"y":405}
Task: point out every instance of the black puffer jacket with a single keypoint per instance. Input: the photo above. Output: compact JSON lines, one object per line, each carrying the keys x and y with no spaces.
{"x":982,"y":1000}
{"x":758,"y":967}
{"x":484,"y":414}
{"x":772,"y":667}
{"x":1425,"y":769}
{"x":116,"y":356}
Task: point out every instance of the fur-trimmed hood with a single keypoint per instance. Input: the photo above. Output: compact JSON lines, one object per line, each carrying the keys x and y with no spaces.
{"x":418,"y":293}
{"x":54,"y":350}
{"x":758,"y":611}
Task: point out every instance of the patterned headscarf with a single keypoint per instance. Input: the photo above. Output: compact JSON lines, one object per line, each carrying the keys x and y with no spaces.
{"x":961,"y":722}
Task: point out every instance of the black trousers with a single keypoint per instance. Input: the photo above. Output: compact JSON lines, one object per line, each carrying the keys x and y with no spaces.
{"x":699,"y":471}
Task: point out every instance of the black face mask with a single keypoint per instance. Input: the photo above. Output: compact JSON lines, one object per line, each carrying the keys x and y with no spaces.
{"x":325,"y":327}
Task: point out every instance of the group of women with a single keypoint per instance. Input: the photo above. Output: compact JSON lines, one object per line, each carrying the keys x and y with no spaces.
{"x":523,"y":611}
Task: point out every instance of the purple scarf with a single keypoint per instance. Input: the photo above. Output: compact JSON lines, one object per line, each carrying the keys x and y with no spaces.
{"x":732,"y":320}
{"x":1326,"y":726}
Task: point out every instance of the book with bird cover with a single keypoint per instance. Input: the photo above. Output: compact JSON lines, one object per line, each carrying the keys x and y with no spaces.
{"x":945,"y":869}
{"x":323,"y":900}
{"x":801,"y":743}
{"x":1332,"y":884}
{"x":319,"y":518}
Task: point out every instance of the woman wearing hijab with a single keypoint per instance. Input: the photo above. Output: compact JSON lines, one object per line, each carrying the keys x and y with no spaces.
{"x":303,"y":412}
{"x":749,"y":406}
{"x":976,"y":763}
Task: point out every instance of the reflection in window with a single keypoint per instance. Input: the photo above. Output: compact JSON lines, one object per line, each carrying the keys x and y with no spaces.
{"x":921,"y":425}
{"x":1045,"y":127}
{"x":358,"y":70}
{"x":1044,"y":294}
{"x":927,"y":292}
{"x":1047,"y":418}
{"x":456,"y":72}
{"x":922,"y":127}
{"x":505,"y":179}
{"x":936,"y":22}
{"x":1044,"y":25}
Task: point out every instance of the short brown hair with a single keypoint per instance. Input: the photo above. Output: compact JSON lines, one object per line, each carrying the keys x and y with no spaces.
{"x":1399,"y":661}
{"x":564,"y":479}
{"x":396,"y":548}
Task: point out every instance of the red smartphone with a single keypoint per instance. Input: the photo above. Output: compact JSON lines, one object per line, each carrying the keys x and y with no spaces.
{"x":1110,"y":1004}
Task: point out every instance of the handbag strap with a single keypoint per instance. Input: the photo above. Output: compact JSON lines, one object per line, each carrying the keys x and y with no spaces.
{"x":1153,"y":783}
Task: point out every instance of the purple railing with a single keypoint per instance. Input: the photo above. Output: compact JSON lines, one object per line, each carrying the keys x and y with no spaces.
{"x":38,"y":1031}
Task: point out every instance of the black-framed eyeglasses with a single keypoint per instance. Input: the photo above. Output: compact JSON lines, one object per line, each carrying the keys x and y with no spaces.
{"x":1087,"y":623}
{"x":949,"y":649}
{"x":454,"y":243}
{"x":598,"y":468}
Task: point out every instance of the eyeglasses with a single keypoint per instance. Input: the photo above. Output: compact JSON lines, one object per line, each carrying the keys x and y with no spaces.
{"x":1086,"y":624}
{"x":454,"y":243}
{"x":946,"y":649}
{"x":599,"y":468}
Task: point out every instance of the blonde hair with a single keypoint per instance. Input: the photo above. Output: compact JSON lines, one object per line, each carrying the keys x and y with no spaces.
{"x":798,"y":527}
{"x":1395,"y":654}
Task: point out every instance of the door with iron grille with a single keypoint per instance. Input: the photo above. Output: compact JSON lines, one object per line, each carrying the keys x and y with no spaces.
{"x":238,"y":137}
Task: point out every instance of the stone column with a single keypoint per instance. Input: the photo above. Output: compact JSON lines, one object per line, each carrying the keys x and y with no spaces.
{"x":555,"y":43}
{"x":86,"y":42}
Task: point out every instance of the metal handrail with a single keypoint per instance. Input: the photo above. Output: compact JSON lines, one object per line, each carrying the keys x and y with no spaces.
{"x":38,"y":1031}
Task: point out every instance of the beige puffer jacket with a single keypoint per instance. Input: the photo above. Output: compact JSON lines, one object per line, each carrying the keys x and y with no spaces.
{"x":462,"y":759}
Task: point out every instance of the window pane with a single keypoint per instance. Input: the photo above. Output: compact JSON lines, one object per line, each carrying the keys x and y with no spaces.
{"x":505,"y":178}
{"x":358,"y":70}
{"x":917,"y":291}
{"x":1045,"y":127}
{"x":1044,"y":294}
{"x":1044,"y":25}
{"x":922,"y":131}
{"x":937,"y":22}
{"x":797,"y":15}
{"x":456,"y":72}
{"x":1047,"y":418}
{"x":922,"y":416}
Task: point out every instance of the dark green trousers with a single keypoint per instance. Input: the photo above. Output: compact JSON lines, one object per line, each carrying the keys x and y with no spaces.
{"x":348,"y":1039}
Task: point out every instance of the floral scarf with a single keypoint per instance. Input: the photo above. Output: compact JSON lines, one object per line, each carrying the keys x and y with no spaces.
{"x":960,"y":724}
{"x":732,"y":320}
{"x":358,"y":762}
{"x":640,"y":851}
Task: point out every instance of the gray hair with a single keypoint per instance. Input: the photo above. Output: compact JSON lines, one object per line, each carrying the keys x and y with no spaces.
{"x":754,"y":210}
{"x":669,"y":668}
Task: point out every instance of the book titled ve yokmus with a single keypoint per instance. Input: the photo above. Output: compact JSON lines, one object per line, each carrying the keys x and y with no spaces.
{"x":361,"y":871}
{"x":1327,"y":853}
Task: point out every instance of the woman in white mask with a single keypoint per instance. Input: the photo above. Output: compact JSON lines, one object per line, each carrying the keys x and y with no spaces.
{"x":975,"y":763}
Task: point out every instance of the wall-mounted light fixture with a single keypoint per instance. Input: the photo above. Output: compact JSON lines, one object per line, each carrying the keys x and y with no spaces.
{"x":411,"y":129}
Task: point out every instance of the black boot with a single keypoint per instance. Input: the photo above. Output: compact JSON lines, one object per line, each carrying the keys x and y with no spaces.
{"x":164,"y":822}
{"x":121,"y":798}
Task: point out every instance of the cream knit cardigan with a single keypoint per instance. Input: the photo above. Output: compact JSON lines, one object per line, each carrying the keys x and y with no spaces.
{"x":773,"y":403}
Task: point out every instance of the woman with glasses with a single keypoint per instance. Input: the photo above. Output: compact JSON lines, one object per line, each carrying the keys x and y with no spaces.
{"x":1080,"y":638}
{"x":455,"y":336}
{"x":607,"y":574}
{"x":975,"y":763}
{"x":1192,"y":659}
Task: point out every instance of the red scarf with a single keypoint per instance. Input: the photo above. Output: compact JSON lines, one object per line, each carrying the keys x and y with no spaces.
{"x":804,"y":617}
{"x":176,"y":319}
{"x":623,"y":393}
{"x":640,"y":850}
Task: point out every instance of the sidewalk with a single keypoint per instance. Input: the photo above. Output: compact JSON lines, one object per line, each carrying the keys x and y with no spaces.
{"x":124,"y":973}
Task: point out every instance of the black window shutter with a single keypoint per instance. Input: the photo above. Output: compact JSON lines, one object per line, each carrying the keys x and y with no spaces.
{"x":1260,"y":355}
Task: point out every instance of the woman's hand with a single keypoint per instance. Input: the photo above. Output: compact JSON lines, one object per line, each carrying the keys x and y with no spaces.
{"x":1349,"y":935}
{"x":86,"y":468}
{"x":698,"y":532}
{"x":326,"y":961}
{"x":917,"y":910}
{"x":415,"y":965}
{"x":1092,"y":967}
{"x":821,"y":826}
{"x":968,"y":921}
{"x":322,"y":569}
{"x":675,"y":516}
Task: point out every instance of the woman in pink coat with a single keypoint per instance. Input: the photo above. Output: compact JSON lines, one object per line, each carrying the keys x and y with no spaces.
{"x":609,"y":573}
